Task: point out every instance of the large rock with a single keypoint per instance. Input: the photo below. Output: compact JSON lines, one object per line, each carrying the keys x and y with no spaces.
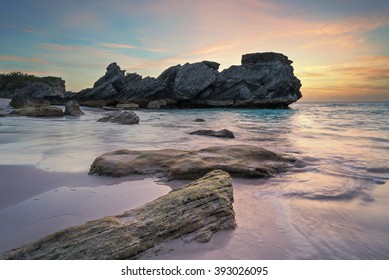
{"x":264,"y":80}
{"x":127,"y":117}
{"x":238,"y":160}
{"x":194,"y":212}
{"x":72,"y":108}
{"x":224,"y":133}
{"x":47,"y":111}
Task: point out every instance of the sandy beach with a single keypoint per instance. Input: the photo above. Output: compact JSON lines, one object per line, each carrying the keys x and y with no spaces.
{"x":38,"y":202}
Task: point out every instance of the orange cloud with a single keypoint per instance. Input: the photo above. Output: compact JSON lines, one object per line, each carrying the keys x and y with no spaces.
{"x":117,"y":46}
{"x":23,"y":59}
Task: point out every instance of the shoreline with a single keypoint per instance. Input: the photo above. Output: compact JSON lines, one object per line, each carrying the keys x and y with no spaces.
{"x":43,"y":202}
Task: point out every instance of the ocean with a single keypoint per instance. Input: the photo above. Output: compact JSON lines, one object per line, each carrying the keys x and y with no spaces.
{"x":334,"y":204}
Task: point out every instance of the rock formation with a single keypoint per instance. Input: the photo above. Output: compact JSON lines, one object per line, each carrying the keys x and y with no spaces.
{"x":238,"y":160}
{"x":46,"y":111}
{"x":224,"y":133}
{"x":121,"y":118}
{"x":72,"y":108}
{"x":264,"y":80}
{"x":194,"y":212}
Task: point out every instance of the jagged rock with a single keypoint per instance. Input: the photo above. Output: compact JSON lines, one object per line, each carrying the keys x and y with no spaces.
{"x":127,"y":117}
{"x":194,"y":212}
{"x":47,"y":111}
{"x":19,"y":102}
{"x":238,"y":160}
{"x":224,"y":133}
{"x":264,"y":80}
{"x":72,"y":108}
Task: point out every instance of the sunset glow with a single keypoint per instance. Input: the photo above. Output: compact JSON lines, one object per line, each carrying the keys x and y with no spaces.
{"x":340,"y":49}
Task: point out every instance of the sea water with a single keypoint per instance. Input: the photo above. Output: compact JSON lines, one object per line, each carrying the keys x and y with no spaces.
{"x":334,"y":204}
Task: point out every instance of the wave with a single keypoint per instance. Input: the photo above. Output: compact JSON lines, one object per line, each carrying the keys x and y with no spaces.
{"x":347,"y":195}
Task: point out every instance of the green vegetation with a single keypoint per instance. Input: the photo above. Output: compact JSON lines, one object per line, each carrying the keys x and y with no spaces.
{"x":14,"y":80}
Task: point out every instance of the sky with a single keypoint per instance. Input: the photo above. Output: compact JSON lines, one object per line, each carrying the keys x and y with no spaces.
{"x":339,"y":48}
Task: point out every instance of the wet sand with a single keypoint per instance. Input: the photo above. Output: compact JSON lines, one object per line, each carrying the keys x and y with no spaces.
{"x":40,"y":202}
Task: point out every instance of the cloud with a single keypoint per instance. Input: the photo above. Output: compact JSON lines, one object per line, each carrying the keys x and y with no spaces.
{"x":116,"y":46}
{"x":23,"y":59}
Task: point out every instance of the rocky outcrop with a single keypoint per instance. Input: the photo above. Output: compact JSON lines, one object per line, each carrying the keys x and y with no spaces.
{"x":127,"y":117}
{"x":31,"y":87}
{"x":72,"y":108}
{"x":238,"y":160}
{"x":224,"y":133}
{"x":264,"y":80}
{"x":194,"y":212}
{"x":46,"y":111}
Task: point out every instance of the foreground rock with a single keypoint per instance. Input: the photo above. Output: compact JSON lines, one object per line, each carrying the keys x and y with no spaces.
{"x":263,"y":80}
{"x":121,"y":118}
{"x":194,"y":212}
{"x":224,"y":133}
{"x":46,"y":111}
{"x":72,"y":108}
{"x":238,"y":160}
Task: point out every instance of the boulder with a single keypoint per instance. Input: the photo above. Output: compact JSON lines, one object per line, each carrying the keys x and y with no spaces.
{"x":19,"y":102}
{"x":224,"y":133}
{"x":47,"y":111}
{"x":194,"y":212}
{"x":127,"y":117}
{"x":72,"y":108}
{"x":238,"y":160}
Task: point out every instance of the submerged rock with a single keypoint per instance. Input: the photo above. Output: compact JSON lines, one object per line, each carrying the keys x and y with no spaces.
{"x":121,"y":118}
{"x":224,"y":133}
{"x":72,"y":108}
{"x":46,"y":111}
{"x":238,"y":160}
{"x":194,"y":212}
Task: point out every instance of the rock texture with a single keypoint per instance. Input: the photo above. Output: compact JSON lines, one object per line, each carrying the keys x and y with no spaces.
{"x":224,"y":133}
{"x":72,"y":108}
{"x":200,"y":209}
{"x":238,"y":160}
{"x":264,"y":80}
{"x":127,"y":117}
{"x":46,"y":111}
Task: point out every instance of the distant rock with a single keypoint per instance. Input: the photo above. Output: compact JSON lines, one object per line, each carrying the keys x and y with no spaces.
{"x":193,"y":213}
{"x":72,"y":108}
{"x":128,"y":106}
{"x":224,"y":133}
{"x":239,"y":160}
{"x":199,"y":120}
{"x":264,"y":80}
{"x":47,"y":111}
{"x":31,"y":87}
{"x":111,"y":108}
{"x":126,"y":117}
